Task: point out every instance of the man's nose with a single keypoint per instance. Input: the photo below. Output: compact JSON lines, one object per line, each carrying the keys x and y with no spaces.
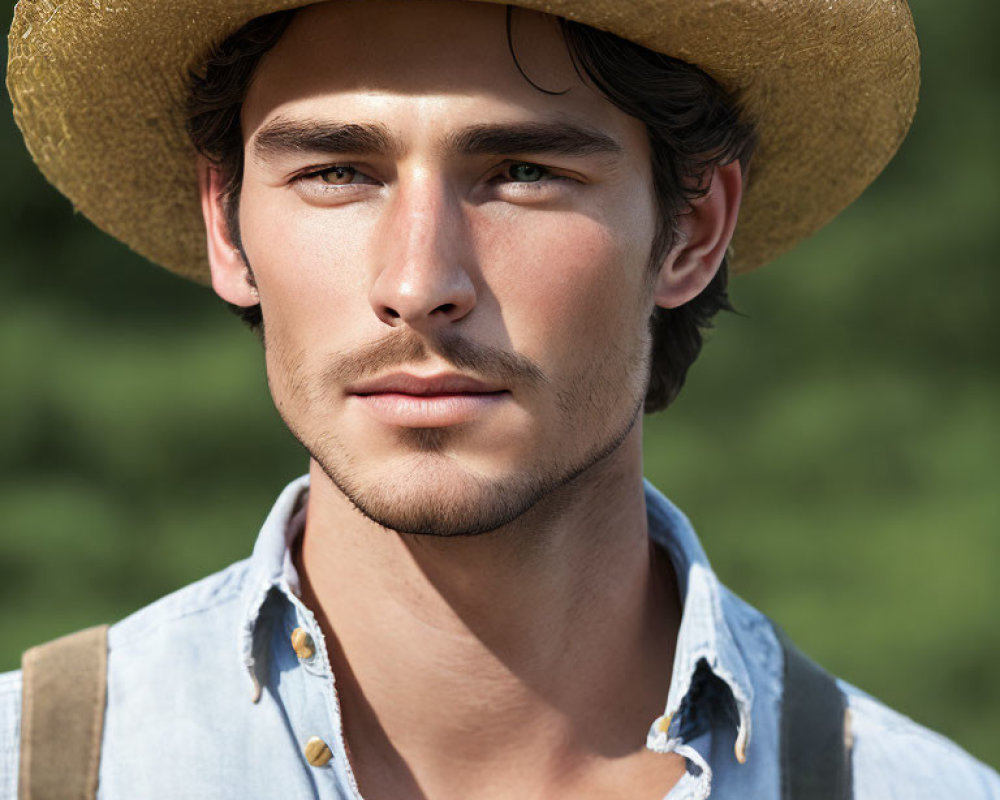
{"x":424,"y":259}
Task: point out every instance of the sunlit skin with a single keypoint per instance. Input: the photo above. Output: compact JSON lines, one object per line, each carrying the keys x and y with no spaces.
{"x":456,"y":329}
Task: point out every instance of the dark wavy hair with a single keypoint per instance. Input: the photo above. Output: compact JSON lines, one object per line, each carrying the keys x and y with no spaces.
{"x":693,"y":125}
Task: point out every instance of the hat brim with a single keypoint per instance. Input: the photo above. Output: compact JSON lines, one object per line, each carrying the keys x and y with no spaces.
{"x":99,"y":88}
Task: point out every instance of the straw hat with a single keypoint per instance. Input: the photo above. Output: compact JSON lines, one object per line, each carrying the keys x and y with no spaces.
{"x":99,"y":87}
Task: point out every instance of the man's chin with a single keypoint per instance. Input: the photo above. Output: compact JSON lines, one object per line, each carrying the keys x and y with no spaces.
{"x":440,"y":499}
{"x":434,"y":489}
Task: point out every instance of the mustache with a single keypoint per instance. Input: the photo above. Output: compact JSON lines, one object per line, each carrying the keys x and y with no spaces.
{"x":405,"y":347}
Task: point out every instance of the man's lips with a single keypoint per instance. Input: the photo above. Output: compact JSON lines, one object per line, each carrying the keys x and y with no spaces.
{"x":429,"y":401}
{"x":404,"y":383}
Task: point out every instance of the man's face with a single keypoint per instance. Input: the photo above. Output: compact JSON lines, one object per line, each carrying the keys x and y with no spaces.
{"x":452,"y":265}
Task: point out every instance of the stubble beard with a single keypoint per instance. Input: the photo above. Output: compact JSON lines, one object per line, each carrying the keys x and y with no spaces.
{"x":455,"y":501}
{"x":433,"y":494}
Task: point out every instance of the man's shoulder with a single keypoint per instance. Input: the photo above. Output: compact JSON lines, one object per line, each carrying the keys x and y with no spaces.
{"x":198,"y":612}
{"x":183,"y":640}
{"x":893,"y":756}
{"x":201,"y":608}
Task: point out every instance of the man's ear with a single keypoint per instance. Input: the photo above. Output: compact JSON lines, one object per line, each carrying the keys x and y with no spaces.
{"x":231,"y":277}
{"x":703,"y":234}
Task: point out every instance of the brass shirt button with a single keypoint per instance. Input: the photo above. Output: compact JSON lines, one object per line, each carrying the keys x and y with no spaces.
{"x":317,"y":752}
{"x":302,"y":644}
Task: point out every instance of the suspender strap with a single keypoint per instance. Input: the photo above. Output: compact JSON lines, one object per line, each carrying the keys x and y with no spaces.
{"x":815,"y":746}
{"x":62,"y":716}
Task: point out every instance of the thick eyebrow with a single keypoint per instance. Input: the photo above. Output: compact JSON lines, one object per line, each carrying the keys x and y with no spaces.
{"x":508,"y":139}
{"x":282,"y":136}
{"x":289,"y":136}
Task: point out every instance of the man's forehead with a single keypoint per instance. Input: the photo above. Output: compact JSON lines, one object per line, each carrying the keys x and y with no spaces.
{"x":420,"y":48}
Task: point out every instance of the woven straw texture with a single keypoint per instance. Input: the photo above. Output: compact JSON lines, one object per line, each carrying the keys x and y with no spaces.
{"x":98,"y":88}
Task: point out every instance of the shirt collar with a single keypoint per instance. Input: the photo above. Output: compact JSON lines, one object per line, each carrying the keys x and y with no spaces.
{"x":704,"y":636}
{"x":271,"y":569}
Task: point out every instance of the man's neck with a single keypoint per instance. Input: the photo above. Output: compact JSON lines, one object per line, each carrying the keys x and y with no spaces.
{"x":534,"y":656}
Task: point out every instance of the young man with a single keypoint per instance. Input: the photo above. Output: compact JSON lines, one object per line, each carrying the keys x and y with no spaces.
{"x":452,"y":224}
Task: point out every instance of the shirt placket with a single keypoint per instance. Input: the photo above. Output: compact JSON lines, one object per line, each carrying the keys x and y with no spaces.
{"x":307,"y":690}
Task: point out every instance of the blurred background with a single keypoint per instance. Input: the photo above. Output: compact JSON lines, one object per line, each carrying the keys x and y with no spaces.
{"x":836,"y":445}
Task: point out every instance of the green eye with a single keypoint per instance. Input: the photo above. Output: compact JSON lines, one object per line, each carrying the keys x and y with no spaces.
{"x":337,"y":175}
{"x":526,"y":173}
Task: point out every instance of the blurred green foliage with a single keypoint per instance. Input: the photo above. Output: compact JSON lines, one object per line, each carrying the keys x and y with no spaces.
{"x":836,"y":445}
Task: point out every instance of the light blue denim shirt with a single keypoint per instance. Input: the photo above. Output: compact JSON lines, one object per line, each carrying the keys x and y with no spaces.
{"x":207,"y":698}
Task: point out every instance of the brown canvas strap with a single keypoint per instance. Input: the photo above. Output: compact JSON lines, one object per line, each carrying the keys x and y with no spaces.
{"x":62,"y":716}
{"x":815,"y":731}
